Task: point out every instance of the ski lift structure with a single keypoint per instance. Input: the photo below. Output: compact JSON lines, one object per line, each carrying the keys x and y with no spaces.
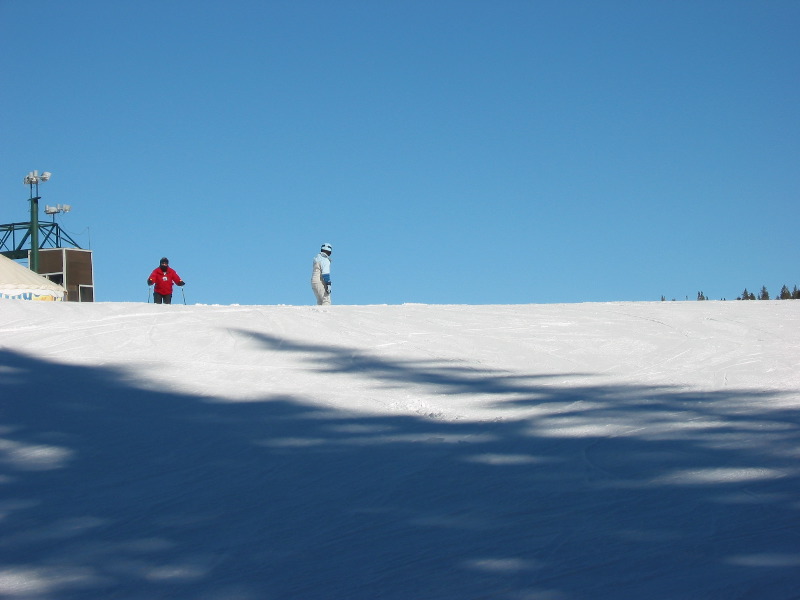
{"x":49,"y":250}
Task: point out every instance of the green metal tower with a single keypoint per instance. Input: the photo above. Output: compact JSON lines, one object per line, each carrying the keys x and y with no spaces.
{"x":17,"y":239}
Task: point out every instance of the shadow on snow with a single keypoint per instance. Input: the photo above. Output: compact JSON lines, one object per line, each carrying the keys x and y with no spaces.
{"x":111,"y":490}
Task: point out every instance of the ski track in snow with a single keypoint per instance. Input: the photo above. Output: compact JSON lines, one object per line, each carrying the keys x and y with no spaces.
{"x":616,"y":450}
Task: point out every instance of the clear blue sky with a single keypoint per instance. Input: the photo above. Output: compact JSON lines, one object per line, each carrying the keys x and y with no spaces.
{"x":464,"y":151}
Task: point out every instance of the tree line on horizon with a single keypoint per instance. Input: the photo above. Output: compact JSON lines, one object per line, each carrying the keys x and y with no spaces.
{"x":785,"y":294}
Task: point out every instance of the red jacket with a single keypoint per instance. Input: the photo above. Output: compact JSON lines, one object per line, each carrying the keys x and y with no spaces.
{"x":163,"y":280}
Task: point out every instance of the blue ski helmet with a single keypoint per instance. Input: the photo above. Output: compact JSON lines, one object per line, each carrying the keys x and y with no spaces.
{"x":326,"y":248}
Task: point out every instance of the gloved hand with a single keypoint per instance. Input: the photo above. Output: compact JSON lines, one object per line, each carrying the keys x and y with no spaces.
{"x":328,"y":288}
{"x":149,"y":281}
{"x":181,"y":283}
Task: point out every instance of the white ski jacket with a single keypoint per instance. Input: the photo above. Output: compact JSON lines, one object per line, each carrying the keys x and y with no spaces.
{"x":321,"y":271}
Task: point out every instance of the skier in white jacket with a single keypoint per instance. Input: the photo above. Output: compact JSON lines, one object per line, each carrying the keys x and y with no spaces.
{"x":321,"y":275}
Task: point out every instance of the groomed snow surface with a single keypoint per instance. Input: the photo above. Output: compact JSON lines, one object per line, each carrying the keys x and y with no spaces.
{"x":622,"y":450}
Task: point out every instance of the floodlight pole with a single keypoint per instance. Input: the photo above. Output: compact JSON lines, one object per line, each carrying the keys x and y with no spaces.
{"x":32,"y":180}
{"x":34,"y":266}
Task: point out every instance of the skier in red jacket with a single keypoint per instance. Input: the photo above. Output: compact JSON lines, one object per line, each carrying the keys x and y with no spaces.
{"x":163,"y":277}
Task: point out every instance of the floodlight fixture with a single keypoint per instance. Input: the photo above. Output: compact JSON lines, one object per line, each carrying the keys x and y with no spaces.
{"x":33,"y":178}
{"x":59,"y":208}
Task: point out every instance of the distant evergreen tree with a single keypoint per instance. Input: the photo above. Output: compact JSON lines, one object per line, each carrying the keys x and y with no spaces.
{"x":785,"y":294}
{"x":764,"y":295}
{"x":747,"y":295}
{"x":796,"y":293}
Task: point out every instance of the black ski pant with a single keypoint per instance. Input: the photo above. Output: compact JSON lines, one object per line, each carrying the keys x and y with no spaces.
{"x":162,"y":298}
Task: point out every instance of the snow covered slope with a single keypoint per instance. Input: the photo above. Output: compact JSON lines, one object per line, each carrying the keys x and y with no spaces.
{"x":622,"y":450}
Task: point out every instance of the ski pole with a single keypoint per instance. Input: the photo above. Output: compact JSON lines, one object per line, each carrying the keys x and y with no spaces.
{"x":148,"y":294}
{"x":184,"y":295}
